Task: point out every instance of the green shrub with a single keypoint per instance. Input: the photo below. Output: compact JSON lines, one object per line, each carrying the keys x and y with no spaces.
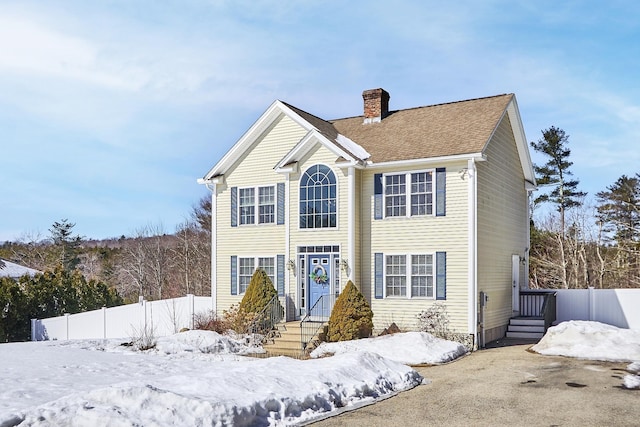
{"x":351,"y":317}
{"x":258,"y":294}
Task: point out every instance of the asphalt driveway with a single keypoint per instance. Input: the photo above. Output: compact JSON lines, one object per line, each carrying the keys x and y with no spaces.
{"x":508,"y":386}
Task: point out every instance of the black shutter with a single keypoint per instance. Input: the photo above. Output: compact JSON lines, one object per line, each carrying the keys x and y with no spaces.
{"x":378,"y":275}
{"x":280,"y":275}
{"x":441,"y":190}
{"x":441,"y":275}
{"x":234,"y":206}
{"x":280,"y":201}
{"x":377,"y":196}
{"x":234,"y":275}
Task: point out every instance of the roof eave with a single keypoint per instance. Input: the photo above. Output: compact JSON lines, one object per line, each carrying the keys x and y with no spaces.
{"x":275,"y":111}
{"x":479,"y":157}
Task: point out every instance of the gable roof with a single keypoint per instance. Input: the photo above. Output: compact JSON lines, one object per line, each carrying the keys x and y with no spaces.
{"x":455,"y":128}
{"x":437,"y":131}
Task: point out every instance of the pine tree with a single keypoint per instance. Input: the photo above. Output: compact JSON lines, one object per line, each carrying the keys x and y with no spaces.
{"x":619,"y":208}
{"x":67,"y":244}
{"x":555,"y":172}
{"x":619,"y":214}
{"x":351,"y":317}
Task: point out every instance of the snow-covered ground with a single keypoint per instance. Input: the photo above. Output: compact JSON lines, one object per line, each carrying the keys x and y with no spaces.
{"x":594,"y":341}
{"x":193,"y":378}
{"x":412,"y":348}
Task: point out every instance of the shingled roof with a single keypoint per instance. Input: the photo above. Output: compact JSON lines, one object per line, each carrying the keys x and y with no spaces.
{"x":461,"y":127}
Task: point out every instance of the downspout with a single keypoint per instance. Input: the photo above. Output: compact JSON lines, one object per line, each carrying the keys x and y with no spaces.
{"x":351,"y":227}
{"x":473,"y":248}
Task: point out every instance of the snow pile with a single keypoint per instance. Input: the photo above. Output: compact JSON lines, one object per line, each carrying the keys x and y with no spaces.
{"x":411,"y":348}
{"x":594,"y":341}
{"x":355,"y":149}
{"x":633,"y":381}
{"x":259,"y":392}
{"x":198,"y":341}
{"x":590,"y":340}
{"x":191,"y":379}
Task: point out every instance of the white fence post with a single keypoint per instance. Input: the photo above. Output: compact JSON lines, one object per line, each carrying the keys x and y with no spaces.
{"x":191,"y":304}
{"x":33,"y":329}
{"x":66,"y":318}
{"x":592,"y":303}
{"x":104,"y":322}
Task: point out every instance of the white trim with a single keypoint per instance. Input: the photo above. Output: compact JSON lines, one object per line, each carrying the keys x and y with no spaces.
{"x":408,"y":194}
{"x":287,"y":242}
{"x":408,"y":275}
{"x":307,"y":143}
{"x":521,"y":141}
{"x":256,"y":205}
{"x":214,"y":248}
{"x":472,"y":309}
{"x":351,"y":227}
{"x":316,"y":229}
{"x":479,"y":157}
{"x":256,"y":264}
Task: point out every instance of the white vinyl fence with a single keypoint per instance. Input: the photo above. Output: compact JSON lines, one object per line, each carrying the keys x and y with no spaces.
{"x":164,"y":317}
{"x":617,"y":307}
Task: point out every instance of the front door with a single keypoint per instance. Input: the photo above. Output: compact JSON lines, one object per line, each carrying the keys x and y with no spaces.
{"x":319,"y":284}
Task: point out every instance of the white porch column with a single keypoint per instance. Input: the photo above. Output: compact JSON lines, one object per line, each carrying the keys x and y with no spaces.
{"x":351,"y":226}
{"x":287,"y":239}
{"x":214,"y":245}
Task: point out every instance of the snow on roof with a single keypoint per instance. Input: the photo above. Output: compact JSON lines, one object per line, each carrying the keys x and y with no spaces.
{"x":15,"y":271}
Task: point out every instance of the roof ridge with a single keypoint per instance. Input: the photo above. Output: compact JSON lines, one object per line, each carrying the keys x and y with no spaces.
{"x":426,"y":106}
{"x":304,"y":111}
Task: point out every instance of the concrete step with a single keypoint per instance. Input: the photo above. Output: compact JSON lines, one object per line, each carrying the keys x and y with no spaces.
{"x":525,"y":335}
{"x":526,"y":321}
{"x":525,"y":328}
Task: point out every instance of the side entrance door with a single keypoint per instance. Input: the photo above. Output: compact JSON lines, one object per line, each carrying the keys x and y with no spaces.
{"x":515,"y":283}
{"x":319,"y":284}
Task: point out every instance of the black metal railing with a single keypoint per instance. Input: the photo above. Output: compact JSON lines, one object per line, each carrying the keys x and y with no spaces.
{"x":314,"y":320}
{"x":266,"y":319}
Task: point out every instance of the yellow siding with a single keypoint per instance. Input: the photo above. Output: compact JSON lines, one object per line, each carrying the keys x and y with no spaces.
{"x":502,"y":222}
{"x":417,"y":235}
{"x":254,"y":169}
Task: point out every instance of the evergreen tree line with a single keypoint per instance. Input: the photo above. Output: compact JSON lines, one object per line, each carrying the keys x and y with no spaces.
{"x":582,"y":243}
{"x":48,"y":294}
{"x":152,"y":264}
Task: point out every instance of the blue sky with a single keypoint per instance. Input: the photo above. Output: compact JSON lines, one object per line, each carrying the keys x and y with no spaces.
{"x":110,"y":111}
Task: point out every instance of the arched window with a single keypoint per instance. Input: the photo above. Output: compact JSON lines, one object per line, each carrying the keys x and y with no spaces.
{"x":318,"y":198}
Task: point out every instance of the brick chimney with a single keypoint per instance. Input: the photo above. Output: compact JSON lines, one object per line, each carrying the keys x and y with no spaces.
{"x":376,"y":105}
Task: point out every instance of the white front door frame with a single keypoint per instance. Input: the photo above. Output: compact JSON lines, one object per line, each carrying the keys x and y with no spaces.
{"x":515,"y":283}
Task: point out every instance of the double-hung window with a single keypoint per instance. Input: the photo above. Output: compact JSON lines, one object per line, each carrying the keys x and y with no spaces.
{"x":266,"y":205}
{"x":249,"y":198}
{"x":248,"y":265}
{"x":409,"y":276}
{"x":269,"y":266}
{"x":408,"y":194}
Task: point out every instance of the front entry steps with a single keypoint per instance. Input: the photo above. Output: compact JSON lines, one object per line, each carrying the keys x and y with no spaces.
{"x":286,"y":341}
{"x":526,"y":328}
